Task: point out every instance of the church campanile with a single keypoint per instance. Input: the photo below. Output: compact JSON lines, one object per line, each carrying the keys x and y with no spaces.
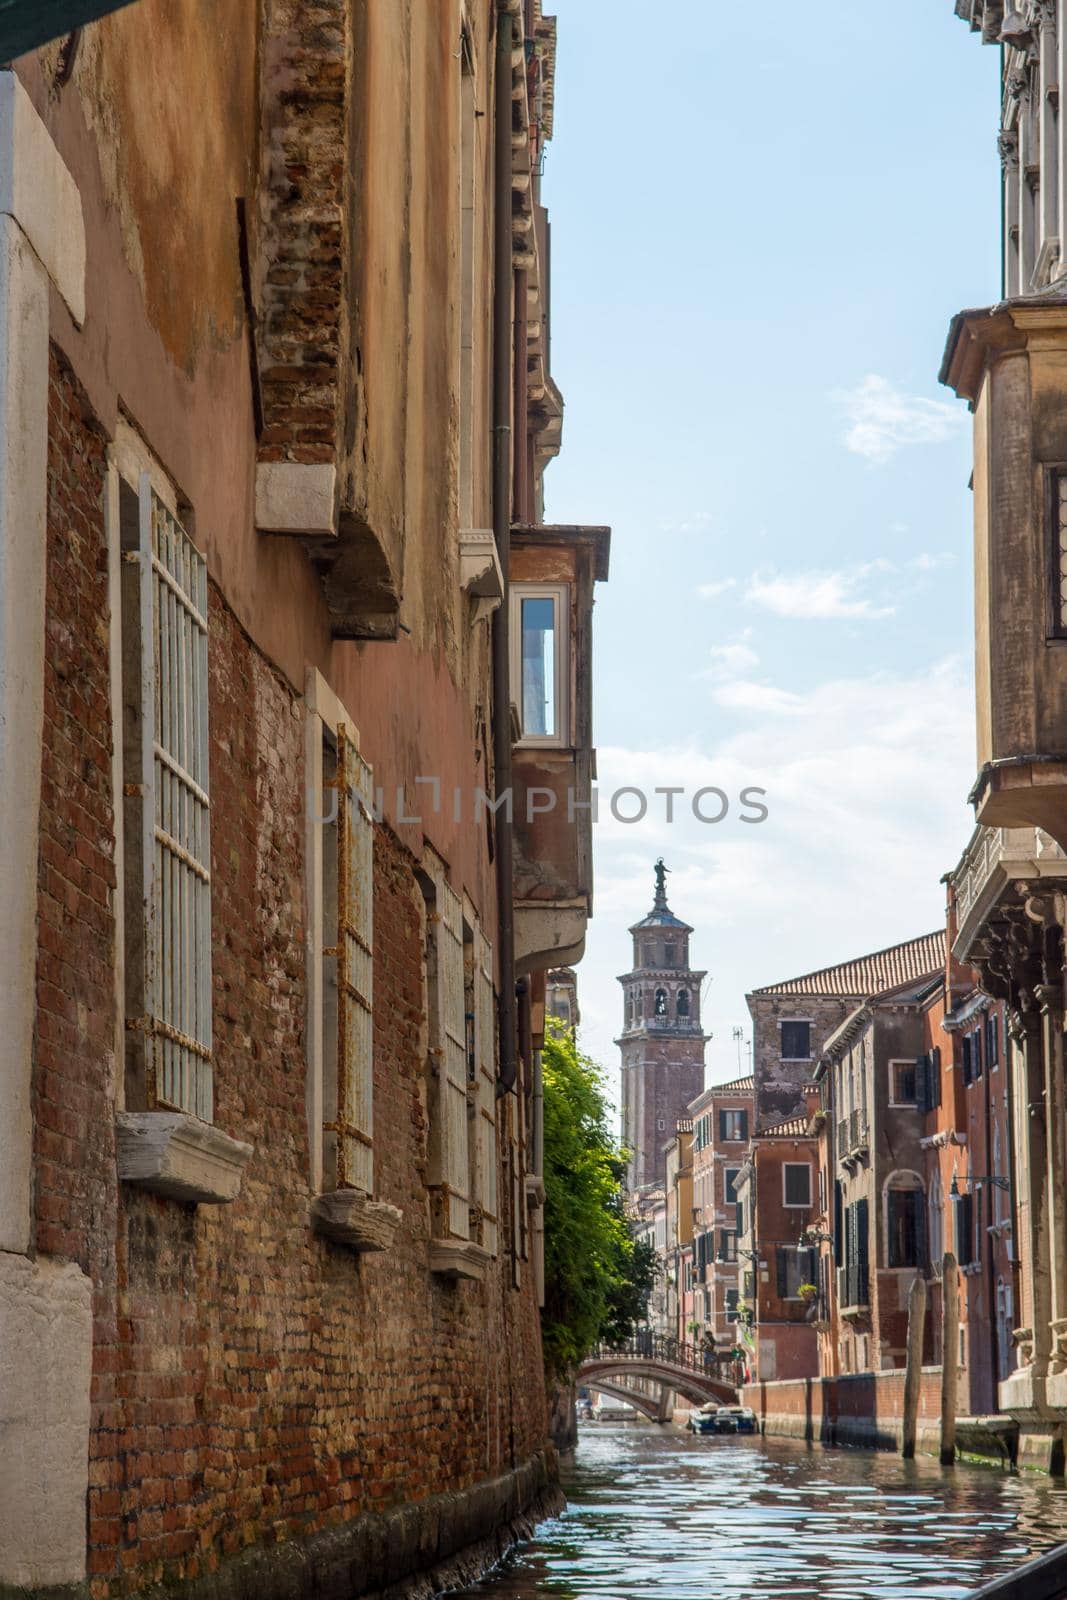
{"x":662,"y":1041}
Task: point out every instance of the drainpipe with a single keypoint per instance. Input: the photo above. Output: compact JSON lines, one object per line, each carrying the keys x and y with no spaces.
{"x":502,"y":397}
{"x":989,"y":1207}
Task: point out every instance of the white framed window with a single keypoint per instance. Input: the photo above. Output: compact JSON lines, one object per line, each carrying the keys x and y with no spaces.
{"x":540,"y":661}
{"x":903,"y":1083}
{"x":340,"y":950}
{"x":796,"y":1184}
{"x":167,"y":806}
{"x":449,"y":1156}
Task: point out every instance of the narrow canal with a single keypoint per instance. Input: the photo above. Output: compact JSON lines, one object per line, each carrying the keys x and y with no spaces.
{"x":657,"y":1515}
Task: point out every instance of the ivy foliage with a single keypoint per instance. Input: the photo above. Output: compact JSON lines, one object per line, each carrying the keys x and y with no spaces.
{"x":597,"y":1280}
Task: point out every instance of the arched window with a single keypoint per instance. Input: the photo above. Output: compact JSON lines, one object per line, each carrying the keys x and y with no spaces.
{"x":682,"y":1003}
{"x":638,"y":1006}
{"x":905,"y":1224}
{"x":661,"y":1002}
{"x":629,"y":1008}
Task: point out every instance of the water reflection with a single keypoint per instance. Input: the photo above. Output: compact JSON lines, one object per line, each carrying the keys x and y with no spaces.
{"x":658,"y":1516}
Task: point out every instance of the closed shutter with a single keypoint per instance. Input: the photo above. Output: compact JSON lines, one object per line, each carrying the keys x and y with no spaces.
{"x":839,"y":1229}
{"x":935,"y":1078}
{"x":922,"y":1084}
{"x":453,"y":1066}
{"x":782,"y":1267}
{"x":352,"y":1119}
{"x":722,"y":1126}
{"x":484,"y":1149}
{"x":862,"y":1232}
{"x":742,"y":1120}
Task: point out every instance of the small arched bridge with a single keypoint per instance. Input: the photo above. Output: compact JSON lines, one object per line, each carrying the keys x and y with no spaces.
{"x":677,"y":1367}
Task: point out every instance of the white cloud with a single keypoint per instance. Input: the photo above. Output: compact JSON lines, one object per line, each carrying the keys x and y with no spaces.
{"x":866,"y":781}
{"x":695,"y":522}
{"x":710,"y":590}
{"x":883,"y":419}
{"x":818,"y":596}
{"x":929,"y":561}
{"x":728,"y":660}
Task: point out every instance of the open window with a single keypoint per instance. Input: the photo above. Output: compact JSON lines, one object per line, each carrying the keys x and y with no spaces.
{"x":540,"y":665}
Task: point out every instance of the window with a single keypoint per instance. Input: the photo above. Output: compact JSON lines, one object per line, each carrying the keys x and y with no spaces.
{"x":539,"y":661}
{"x":167,"y":807}
{"x":729,"y":1179}
{"x":731,"y":1312}
{"x":796,"y":1041}
{"x":963,"y":1204}
{"x":448,"y":1168}
{"x":733,"y":1125}
{"x":796,"y":1184}
{"x":937,"y":1222}
{"x":794,"y":1267}
{"x":992,"y":1041}
{"x":905,"y":1225}
{"x":661,"y":1002}
{"x":682,"y":1003}
{"x":1057,"y":554}
{"x":670,"y":955}
{"x":727,"y":1245}
{"x":903,"y":1083}
{"x":340,"y":875}
{"x":976,"y":1052}
{"x":481,"y":1004}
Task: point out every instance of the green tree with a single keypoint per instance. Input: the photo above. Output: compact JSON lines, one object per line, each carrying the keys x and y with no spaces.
{"x":597,"y":1280}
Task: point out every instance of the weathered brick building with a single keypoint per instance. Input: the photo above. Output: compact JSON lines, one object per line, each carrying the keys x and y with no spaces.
{"x":275,"y":390}
{"x":722,"y":1124}
{"x":1006,"y":360}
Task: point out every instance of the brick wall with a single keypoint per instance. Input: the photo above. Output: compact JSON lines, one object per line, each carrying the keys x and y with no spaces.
{"x":252,"y":1382}
{"x":875,"y":1398}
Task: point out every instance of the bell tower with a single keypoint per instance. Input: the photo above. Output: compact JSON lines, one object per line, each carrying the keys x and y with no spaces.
{"x":662,"y":1041}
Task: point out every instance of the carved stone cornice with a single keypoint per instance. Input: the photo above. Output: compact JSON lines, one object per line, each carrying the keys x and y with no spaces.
{"x":1008,"y":147}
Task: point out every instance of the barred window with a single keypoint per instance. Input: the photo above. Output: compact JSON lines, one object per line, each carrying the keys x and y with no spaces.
{"x":340,"y":875}
{"x":483,"y":1094}
{"x":167,"y":808}
{"x":449,"y":1172}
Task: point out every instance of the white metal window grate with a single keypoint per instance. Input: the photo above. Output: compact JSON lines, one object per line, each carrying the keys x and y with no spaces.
{"x":175,"y":833}
{"x":484,"y":1096}
{"x":352,"y":1118}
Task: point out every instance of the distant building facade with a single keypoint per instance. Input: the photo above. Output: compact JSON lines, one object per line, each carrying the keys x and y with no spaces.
{"x":722,"y":1128}
{"x":662,"y":1042}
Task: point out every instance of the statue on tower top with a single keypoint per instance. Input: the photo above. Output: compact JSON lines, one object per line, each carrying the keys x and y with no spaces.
{"x":661,"y":883}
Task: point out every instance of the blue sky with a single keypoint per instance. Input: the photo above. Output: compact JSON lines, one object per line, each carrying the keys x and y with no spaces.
{"x":760,"y":233}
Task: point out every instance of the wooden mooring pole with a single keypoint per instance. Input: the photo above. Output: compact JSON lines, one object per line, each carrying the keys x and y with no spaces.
{"x":914,"y":1366}
{"x":950,"y":1356}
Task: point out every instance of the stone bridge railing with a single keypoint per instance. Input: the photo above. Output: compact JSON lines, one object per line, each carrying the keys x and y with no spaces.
{"x":687,"y":1368}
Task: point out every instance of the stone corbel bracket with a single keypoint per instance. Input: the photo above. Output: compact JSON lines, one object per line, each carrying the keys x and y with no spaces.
{"x":354,"y":1220}
{"x":459,"y":1258}
{"x":179,"y":1156}
{"x":480,"y":576}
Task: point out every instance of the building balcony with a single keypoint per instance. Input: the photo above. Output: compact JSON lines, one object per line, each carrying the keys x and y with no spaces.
{"x":853,"y":1138}
{"x":853,"y":1290}
{"x":1010,"y":364}
{"x":994,"y":860}
{"x":552,"y":575}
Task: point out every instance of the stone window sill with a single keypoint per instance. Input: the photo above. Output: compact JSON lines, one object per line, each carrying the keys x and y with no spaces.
{"x":459,"y":1258}
{"x":350,"y":1218}
{"x":179,"y":1156}
{"x":535,"y":1190}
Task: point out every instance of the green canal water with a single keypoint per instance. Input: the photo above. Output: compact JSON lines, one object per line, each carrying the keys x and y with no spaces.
{"x":658,"y":1515}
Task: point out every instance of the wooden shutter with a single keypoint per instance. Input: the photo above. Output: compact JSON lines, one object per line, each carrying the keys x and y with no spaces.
{"x":452,"y":1100}
{"x":484,"y":1146}
{"x":168,"y":810}
{"x":742,"y":1119}
{"x":782,"y":1265}
{"x":352,"y":1118}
